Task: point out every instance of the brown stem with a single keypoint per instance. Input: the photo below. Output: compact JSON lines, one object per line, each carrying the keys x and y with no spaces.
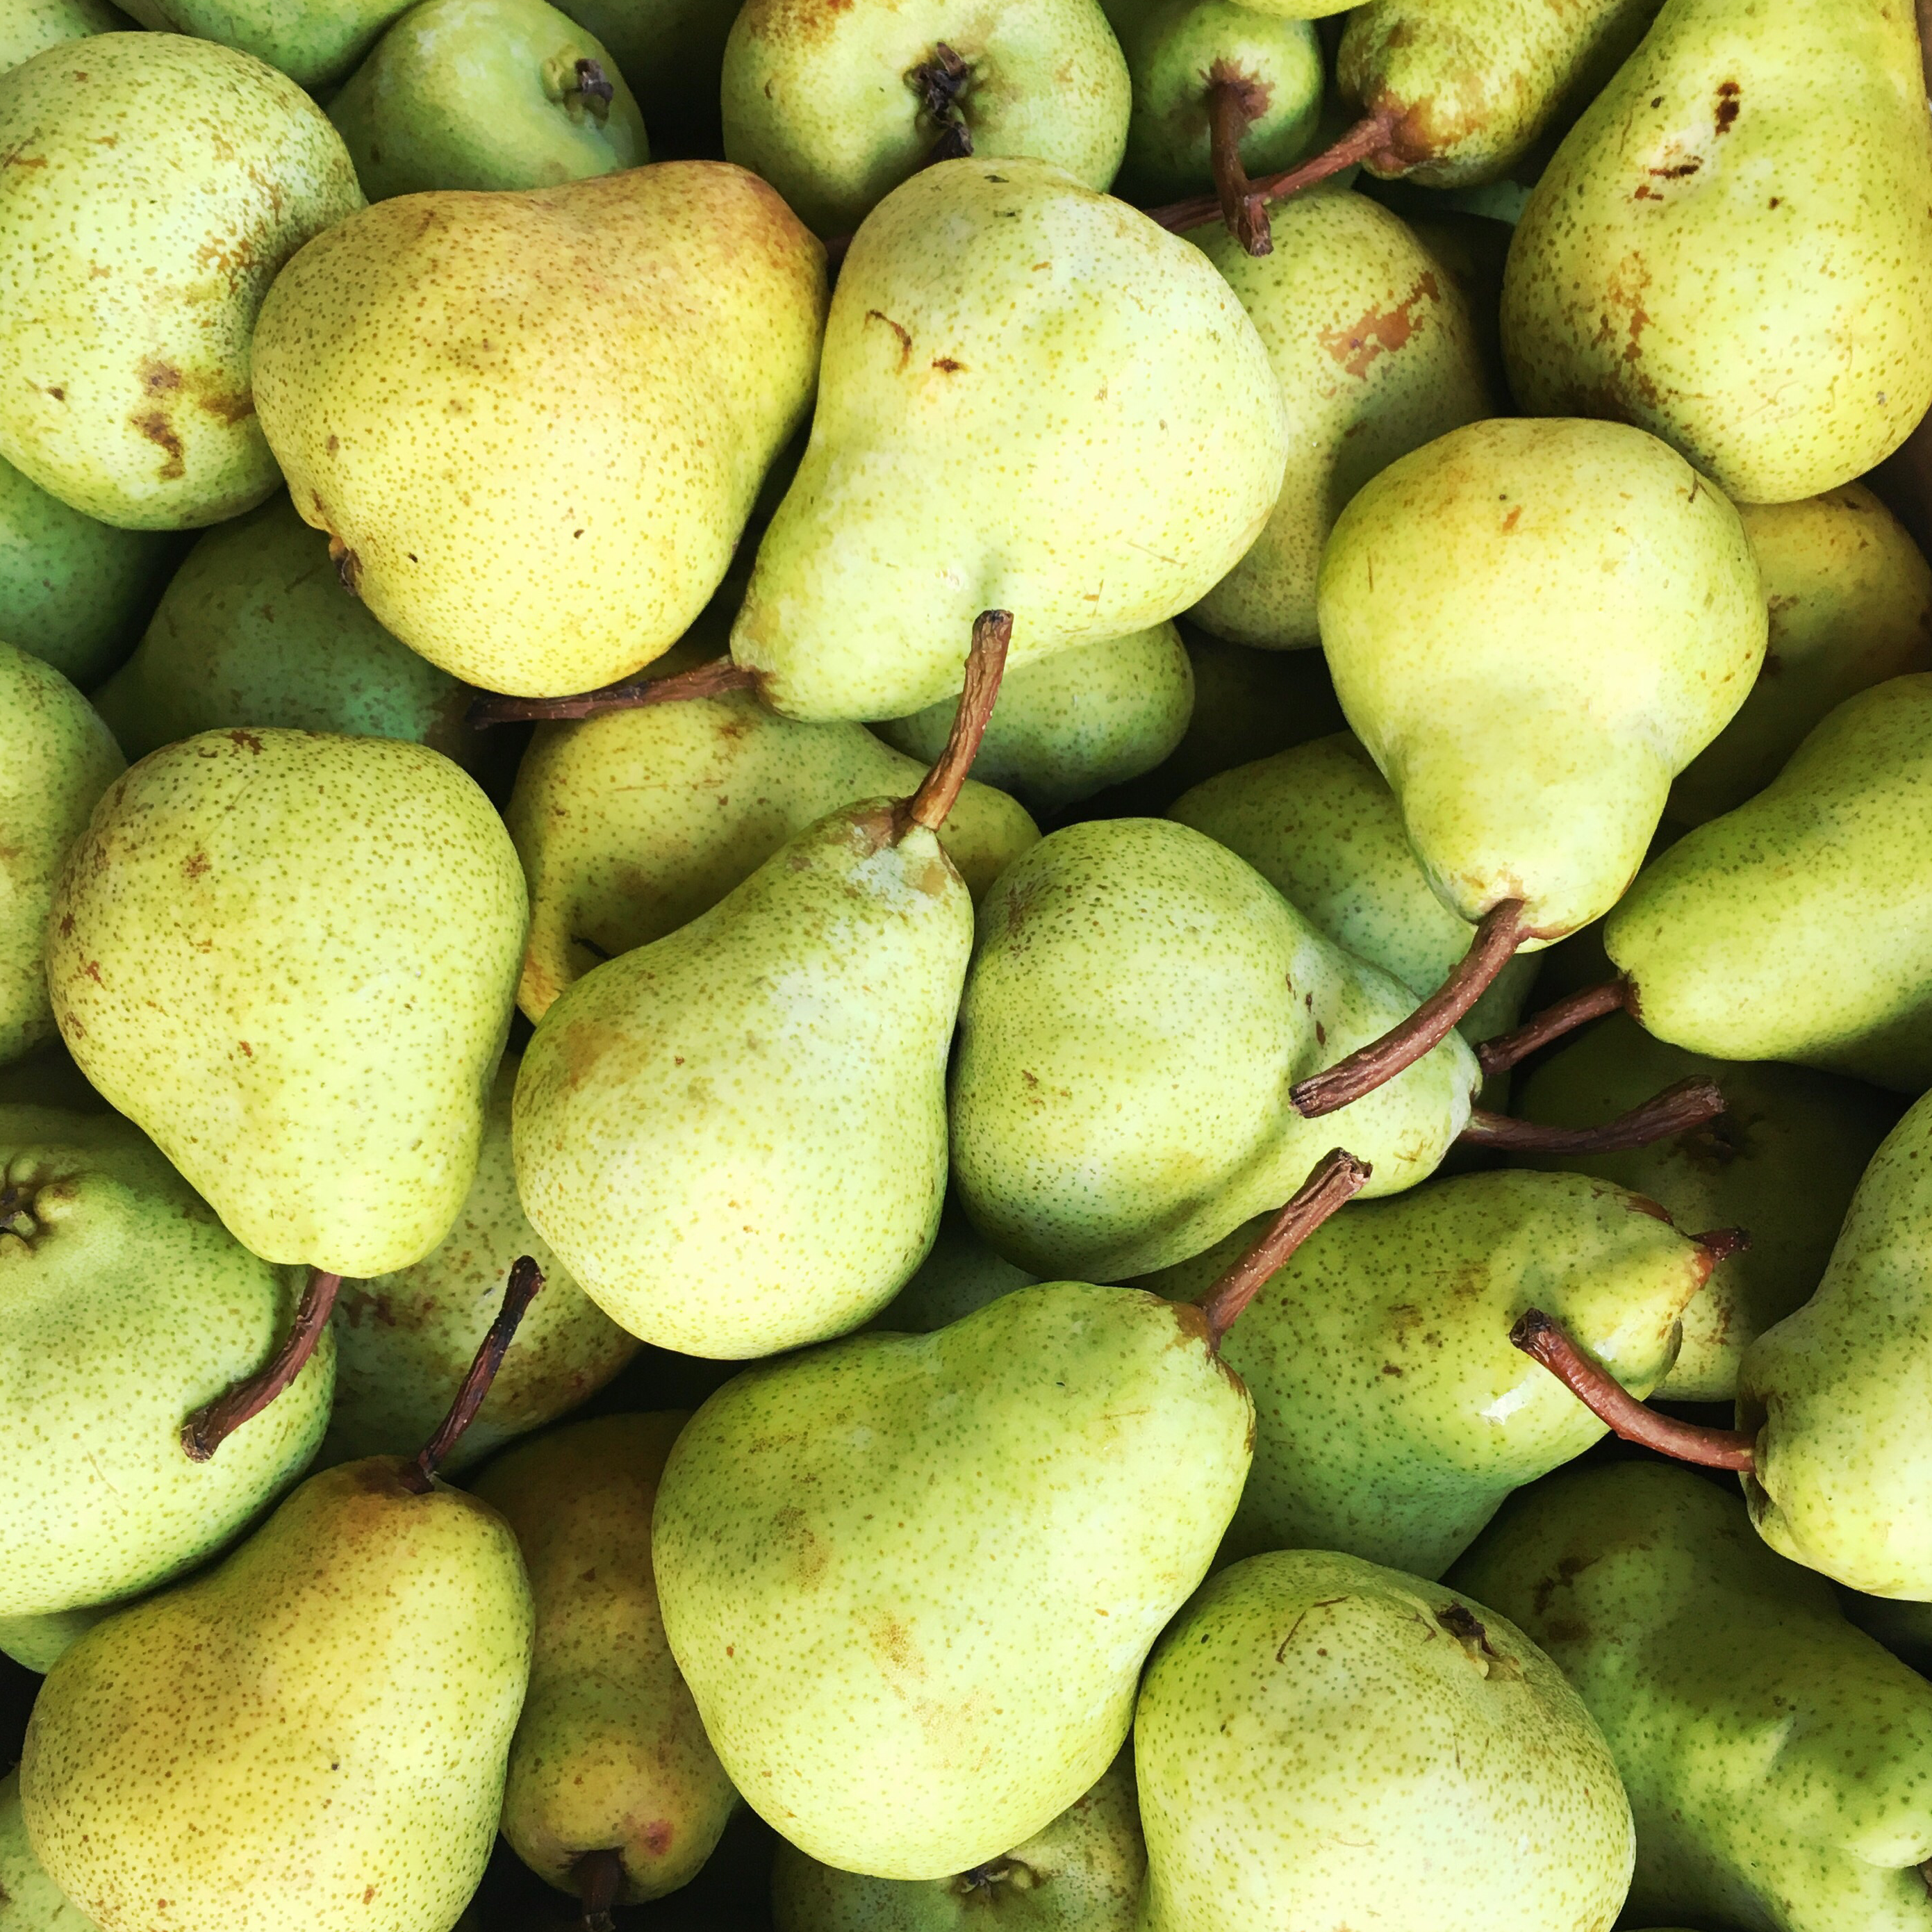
{"x":1720,"y":1244}
{"x":206,"y":1430}
{"x":1337,"y":1176}
{"x":706,"y":680}
{"x":526,"y":1279}
{"x":600,"y":1880}
{"x":1561,"y":1016}
{"x":1541,"y":1340}
{"x":1497,"y":937}
{"x":985,"y":663}
{"x":1368,"y":136}
{"x":594,"y":85}
{"x":1679,"y":1107}
{"x":1235,"y":102}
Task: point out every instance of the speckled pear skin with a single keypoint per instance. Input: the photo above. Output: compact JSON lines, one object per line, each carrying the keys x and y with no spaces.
{"x":312,"y":1736}
{"x":1082,"y":1873}
{"x":735,"y":1137}
{"x":960,"y":1274}
{"x":290,"y":958}
{"x":1794,"y":928}
{"x":1781,"y":1161}
{"x":32,"y":26}
{"x":1320,"y":1742}
{"x":944,"y":1558}
{"x":1110,"y":481}
{"x":609,"y":1754}
{"x":492,"y":401}
{"x":817,"y":99}
{"x":255,"y":628}
{"x":190,"y":174}
{"x":631,"y":824}
{"x":124,"y":1306}
{"x":405,"y":1341}
{"x":30,"y":1901}
{"x":1529,"y":666}
{"x":1851,"y":604}
{"x":34,"y":1642}
{"x":1069,"y":725}
{"x":1375,"y":354}
{"x":313,"y":42}
{"x":1775,"y":1757}
{"x":1140,"y":1002}
{"x":1392,"y":1416}
{"x":1320,"y":824}
{"x":1665,"y":270}
{"x":56,"y":759}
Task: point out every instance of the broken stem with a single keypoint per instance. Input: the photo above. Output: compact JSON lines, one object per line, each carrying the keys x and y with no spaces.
{"x":1338,"y":1177}
{"x":1679,"y":1107}
{"x":706,"y":680}
{"x":600,"y":1879}
{"x":206,"y":1430}
{"x":985,"y":663}
{"x":1560,"y":1017}
{"x":1720,"y":1244}
{"x":1497,"y":936}
{"x":1542,"y":1341}
{"x":1368,"y":135}
{"x":1235,"y":102}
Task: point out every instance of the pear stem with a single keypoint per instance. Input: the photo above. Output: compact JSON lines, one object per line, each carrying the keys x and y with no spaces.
{"x":985,"y":665}
{"x":1235,"y":102}
{"x":526,"y":1279}
{"x":600,"y":1878}
{"x":706,"y":680}
{"x":1497,"y":936}
{"x":1679,"y":1107}
{"x":1337,"y":1177}
{"x":1542,"y":1341}
{"x":207,"y":1428}
{"x":1368,"y":135}
{"x":1561,"y":1016}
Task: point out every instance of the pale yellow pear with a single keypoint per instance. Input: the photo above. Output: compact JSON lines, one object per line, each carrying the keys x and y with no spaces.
{"x":30,"y":1901}
{"x":32,"y":26}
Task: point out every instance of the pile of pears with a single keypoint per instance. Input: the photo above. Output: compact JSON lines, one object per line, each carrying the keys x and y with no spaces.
{"x":965,"y":963}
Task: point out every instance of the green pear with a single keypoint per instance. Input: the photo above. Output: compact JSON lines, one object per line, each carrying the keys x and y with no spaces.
{"x":940,"y":1560}
{"x":56,"y":759}
{"x":35,"y":1642}
{"x":32,"y":26}
{"x":127,"y":1305}
{"x":1320,"y":824}
{"x":314,"y":42}
{"x":1577,"y":656}
{"x":672,"y":52}
{"x":290,"y":958}
{"x":836,"y":108}
{"x":1110,"y":482}
{"x":30,"y":1901}
{"x":486,"y":94}
{"x":1792,"y":928}
{"x":125,"y":339}
{"x":1471,"y":249}
{"x":610,"y":1755}
{"x":403,"y":1341}
{"x":493,"y":402}
{"x":1780,"y":1162}
{"x":1375,"y":354}
{"x":1140,"y":1002}
{"x":960,"y":1274}
{"x":1711,"y":256}
{"x":1322,"y":1741}
{"x":1300,"y":9}
{"x":1072,"y":724}
{"x":1851,"y":605}
{"x":1082,"y":1873}
{"x":1774,"y":1756}
{"x":255,"y":628}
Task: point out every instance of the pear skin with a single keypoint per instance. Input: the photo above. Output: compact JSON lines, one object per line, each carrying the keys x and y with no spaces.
{"x":30,"y":1901}
{"x":313,"y":42}
{"x":960,"y":1274}
{"x":35,"y":1642}
{"x":32,"y":26}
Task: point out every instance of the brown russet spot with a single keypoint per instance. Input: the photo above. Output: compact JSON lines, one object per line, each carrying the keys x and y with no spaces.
{"x":348,"y":565}
{"x":17,"y":157}
{"x":658,"y":1835}
{"x":156,"y":428}
{"x":893,"y":1642}
{"x":947,"y":366}
{"x":1567,"y":1572}
{"x":1729,"y":101}
{"x":245,"y":741}
{"x":92,"y":969}
{"x":59,"y":395}
{"x":1381,"y":332}
{"x":899,"y":329}
{"x":160,"y":378}
{"x":195,"y":864}
{"x":1514,"y":517}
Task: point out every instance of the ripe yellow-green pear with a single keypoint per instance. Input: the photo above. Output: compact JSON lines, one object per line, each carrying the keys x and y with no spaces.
{"x":30,"y":1901}
{"x":1733,"y":248}
{"x":314,"y":42}
{"x":32,"y":26}
{"x":35,"y":1643}
{"x":157,"y":184}
{"x":533,"y":424}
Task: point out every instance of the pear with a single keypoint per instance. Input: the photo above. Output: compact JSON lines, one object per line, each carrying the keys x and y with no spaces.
{"x":35,"y":1642}
{"x":1774,"y":1756}
{"x":314,"y":42}
{"x":1322,"y":1741}
{"x":1781,"y":1161}
{"x":30,"y":1901}
{"x":486,"y":94}
{"x":1111,"y":481}
{"x":1471,"y":248}
{"x":672,"y":52}
{"x":1793,"y":928}
{"x":414,"y":368}
{"x":403,"y":1340}
{"x":1375,"y":354}
{"x":32,"y":26}
{"x":56,"y":759}
{"x":1069,"y":725}
{"x":1082,"y":1873}
{"x":960,"y":1274}
{"x":609,"y":1761}
{"x":126,"y":1305}
{"x":255,"y":628}
{"x":1851,"y":605}
{"x":836,"y":108}
{"x":1665,"y":271}
{"x":125,"y":339}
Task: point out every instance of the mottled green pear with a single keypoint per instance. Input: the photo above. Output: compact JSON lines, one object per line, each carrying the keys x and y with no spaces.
{"x":314,"y":42}
{"x":960,"y":1274}
{"x":126,"y":343}
{"x":30,"y":1901}
{"x":1774,"y":1756}
{"x":1667,"y":272}
{"x":35,"y":1641}
{"x":1322,"y":1741}
{"x":32,"y":26}
{"x":672,"y":52}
